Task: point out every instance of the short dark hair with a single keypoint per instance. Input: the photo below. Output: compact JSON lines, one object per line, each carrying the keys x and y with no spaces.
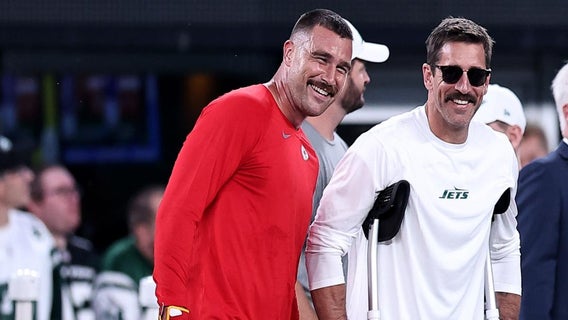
{"x":140,"y":209}
{"x":14,"y":153}
{"x":457,"y":30}
{"x":534,"y":130}
{"x":36,"y":187}
{"x":325,"y":18}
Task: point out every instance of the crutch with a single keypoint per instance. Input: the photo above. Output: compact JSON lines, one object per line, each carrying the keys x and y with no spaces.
{"x":23,"y":290}
{"x":389,"y":208}
{"x":491,"y":308}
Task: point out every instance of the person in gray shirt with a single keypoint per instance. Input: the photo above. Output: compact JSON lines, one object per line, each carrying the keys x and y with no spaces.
{"x":329,"y":146}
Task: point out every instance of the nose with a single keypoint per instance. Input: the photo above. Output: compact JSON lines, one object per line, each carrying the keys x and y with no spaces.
{"x":366,"y":78}
{"x":463,"y":84}
{"x":329,"y":73}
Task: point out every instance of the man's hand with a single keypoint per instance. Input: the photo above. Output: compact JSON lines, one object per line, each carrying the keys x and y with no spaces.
{"x":509,"y":305}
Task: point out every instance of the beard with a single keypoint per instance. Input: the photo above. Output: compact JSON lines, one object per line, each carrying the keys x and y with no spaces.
{"x":352,"y":98}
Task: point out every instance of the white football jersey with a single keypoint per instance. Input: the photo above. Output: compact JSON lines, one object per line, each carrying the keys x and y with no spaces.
{"x":25,"y":243}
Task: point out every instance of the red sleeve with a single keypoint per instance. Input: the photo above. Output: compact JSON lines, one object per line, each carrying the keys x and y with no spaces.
{"x":225,"y":131}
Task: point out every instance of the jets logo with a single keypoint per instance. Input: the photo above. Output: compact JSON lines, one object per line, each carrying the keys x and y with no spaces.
{"x":455,"y":193}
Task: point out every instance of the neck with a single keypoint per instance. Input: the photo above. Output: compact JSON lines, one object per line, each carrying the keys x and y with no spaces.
{"x":4,"y":215}
{"x":457,"y":135}
{"x":60,"y":241}
{"x":326,"y":123}
{"x":278,"y":91}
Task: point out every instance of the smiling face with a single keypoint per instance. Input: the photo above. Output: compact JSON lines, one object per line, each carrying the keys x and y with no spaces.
{"x":318,"y":64}
{"x":450,"y":107}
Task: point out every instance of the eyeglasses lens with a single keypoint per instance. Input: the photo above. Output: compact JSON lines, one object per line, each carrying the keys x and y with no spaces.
{"x":452,"y":74}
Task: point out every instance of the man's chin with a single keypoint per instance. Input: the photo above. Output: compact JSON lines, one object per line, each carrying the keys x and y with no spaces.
{"x":314,"y":112}
{"x":353,"y":107}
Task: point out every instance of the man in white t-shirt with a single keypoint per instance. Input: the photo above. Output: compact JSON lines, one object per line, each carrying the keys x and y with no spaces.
{"x":329,"y":146}
{"x":457,"y":169}
{"x":25,"y":242}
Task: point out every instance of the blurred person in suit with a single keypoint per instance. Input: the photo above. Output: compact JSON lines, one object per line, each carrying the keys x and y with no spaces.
{"x":56,"y":200}
{"x":542,"y":199}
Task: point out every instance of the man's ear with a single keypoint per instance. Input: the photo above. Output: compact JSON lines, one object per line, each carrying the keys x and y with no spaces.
{"x":428,"y":76}
{"x":565,"y":114}
{"x":288,"y":52}
{"x":486,"y":85}
{"x":515,"y":135}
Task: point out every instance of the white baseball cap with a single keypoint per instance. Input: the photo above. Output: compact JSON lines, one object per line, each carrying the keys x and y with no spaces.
{"x":367,"y":51}
{"x":501,"y":104}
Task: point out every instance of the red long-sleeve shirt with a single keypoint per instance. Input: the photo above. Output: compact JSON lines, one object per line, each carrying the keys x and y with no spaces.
{"x":235,"y":212}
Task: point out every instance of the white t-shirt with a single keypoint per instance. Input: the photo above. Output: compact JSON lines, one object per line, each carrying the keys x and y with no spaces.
{"x":434,"y":267}
{"x":25,"y":243}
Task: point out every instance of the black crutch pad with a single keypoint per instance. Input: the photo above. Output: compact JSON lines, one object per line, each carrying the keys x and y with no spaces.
{"x":389,"y":208}
{"x":502,"y":204}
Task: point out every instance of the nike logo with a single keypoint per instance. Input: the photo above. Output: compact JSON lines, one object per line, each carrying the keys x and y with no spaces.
{"x":285,"y":135}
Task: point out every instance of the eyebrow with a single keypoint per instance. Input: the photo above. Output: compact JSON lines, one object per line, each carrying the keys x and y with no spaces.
{"x":319,"y":53}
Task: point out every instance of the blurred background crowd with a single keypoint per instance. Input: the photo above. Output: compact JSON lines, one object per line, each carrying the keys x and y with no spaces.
{"x":110,"y":89}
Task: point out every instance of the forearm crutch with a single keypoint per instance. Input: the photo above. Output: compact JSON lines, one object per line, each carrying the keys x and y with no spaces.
{"x":389,"y":208}
{"x":491,"y":308}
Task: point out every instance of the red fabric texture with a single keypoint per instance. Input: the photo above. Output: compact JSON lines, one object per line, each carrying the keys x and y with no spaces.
{"x":235,"y":212}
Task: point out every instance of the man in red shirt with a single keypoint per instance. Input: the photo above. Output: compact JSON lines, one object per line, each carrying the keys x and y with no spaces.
{"x":236,"y":210}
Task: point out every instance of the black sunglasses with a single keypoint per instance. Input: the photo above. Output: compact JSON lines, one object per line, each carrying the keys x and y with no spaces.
{"x":453,"y":74}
